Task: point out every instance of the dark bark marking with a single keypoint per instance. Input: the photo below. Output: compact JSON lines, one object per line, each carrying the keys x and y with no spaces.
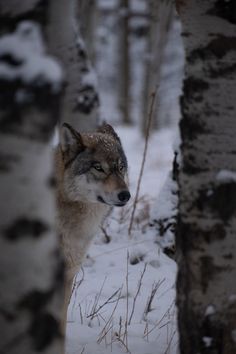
{"x":222,"y":200}
{"x":35,"y":301}
{"x":25,"y":227}
{"x":221,"y":45}
{"x":217,"y":47}
{"x":208,"y":271}
{"x":87,"y":100}
{"x":217,"y":232}
{"x":9,"y":59}
{"x":194,"y":88}
{"x":225,"y":10}
{"x":192,"y":127}
{"x":211,"y":327}
{"x":16,"y":115}
{"x":190,"y":165}
{"x":223,"y":71}
{"x":7,"y":160}
{"x":43,"y":330}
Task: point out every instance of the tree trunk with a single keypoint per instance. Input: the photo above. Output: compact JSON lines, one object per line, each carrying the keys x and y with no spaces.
{"x":124,"y":63}
{"x":160,"y":15}
{"x":81,"y":102}
{"x":31,"y":272}
{"x":87,"y":17}
{"x":207,"y":222}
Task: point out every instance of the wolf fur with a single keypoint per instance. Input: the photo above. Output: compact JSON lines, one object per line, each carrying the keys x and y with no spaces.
{"x":91,"y":172}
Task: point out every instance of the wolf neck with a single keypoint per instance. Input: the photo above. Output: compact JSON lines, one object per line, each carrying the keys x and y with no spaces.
{"x":78,"y":224}
{"x":81,"y":217}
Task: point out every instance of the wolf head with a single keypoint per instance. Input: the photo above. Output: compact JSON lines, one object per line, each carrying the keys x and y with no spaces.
{"x":95,"y":166}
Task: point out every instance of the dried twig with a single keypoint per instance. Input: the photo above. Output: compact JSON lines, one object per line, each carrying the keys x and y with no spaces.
{"x":169,"y":344}
{"x":153,"y":96}
{"x":159,"y":322}
{"x":107,"y":324}
{"x":137,"y":292}
{"x":155,"y":287}
{"x":108,"y":301}
{"x":97,"y":297}
{"x":125,"y":338}
{"x":124,"y":344}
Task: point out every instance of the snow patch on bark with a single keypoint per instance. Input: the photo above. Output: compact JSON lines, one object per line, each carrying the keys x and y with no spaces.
{"x":226,"y":176}
{"x":210,"y":310}
{"x":23,"y":57}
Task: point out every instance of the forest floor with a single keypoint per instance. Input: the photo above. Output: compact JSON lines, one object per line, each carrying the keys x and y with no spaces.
{"x":124,"y":297}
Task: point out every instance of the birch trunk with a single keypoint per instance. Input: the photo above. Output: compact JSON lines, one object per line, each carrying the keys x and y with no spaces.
{"x":207,"y":222}
{"x":124,"y":63}
{"x":81,"y":102}
{"x":160,"y":15}
{"x":31,"y":272}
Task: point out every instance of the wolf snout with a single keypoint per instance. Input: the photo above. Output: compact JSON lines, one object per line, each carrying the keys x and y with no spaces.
{"x":124,"y":196}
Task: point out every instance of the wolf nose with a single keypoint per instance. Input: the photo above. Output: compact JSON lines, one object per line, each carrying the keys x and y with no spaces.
{"x":124,"y":196}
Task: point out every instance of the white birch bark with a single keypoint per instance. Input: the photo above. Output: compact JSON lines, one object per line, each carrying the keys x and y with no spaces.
{"x":81,"y":102}
{"x":206,"y":240}
{"x":31,"y":271}
{"x":160,"y":15}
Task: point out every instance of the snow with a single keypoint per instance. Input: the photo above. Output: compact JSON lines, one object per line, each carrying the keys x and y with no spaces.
{"x":133,"y":266}
{"x":210,"y":310}
{"x":32,"y":64}
{"x":226,"y":176}
{"x":207,"y":341}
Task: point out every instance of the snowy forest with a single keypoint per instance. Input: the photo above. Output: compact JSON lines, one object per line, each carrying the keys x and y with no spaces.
{"x":118,"y":176}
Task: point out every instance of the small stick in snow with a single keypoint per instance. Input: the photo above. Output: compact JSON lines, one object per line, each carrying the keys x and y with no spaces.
{"x":97,"y":297}
{"x":153,"y":96}
{"x":107,"y":324}
{"x":108,"y":301}
{"x":137,"y":292}
{"x":127,"y":301}
{"x":155,"y":287}
{"x":169,"y":344}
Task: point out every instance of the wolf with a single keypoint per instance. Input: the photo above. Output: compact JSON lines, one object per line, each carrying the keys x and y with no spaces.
{"x":91,"y":174}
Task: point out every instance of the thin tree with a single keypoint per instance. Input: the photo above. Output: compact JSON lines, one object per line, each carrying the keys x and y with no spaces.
{"x":81,"y":101}
{"x":124,"y":62}
{"x":206,"y":242}
{"x":160,"y":17}
{"x":31,"y":271}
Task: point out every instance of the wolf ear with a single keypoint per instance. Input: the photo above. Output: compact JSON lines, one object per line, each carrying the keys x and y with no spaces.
{"x":107,"y":129}
{"x":70,"y":138}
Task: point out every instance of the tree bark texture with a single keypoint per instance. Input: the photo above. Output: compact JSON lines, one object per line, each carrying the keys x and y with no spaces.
{"x":31,"y":270}
{"x":81,"y":101}
{"x":206,"y":240}
{"x":124,"y":63}
{"x":160,"y":16}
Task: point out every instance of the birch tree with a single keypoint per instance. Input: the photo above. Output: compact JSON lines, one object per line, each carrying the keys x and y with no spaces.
{"x":124,"y":62}
{"x":31,"y":271}
{"x":160,"y":16}
{"x":207,"y":222}
{"x":81,"y":101}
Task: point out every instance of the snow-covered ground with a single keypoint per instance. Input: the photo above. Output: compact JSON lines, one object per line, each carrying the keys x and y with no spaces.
{"x":124,"y":298}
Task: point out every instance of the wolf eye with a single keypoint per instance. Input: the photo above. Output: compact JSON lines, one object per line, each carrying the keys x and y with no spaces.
{"x":98,"y":167}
